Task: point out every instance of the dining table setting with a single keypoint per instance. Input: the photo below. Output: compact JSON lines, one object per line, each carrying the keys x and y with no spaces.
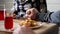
{"x":8,"y":24}
{"x":41,"y":28}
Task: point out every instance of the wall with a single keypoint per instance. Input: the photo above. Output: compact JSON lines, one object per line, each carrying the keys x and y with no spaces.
{"x":8,"y":4}
{"x":1,"y":4}
{"x":53,"y":5}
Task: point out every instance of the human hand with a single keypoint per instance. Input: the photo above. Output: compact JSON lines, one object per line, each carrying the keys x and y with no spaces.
{"x":23,"y":30}
{"x":31,"y":13}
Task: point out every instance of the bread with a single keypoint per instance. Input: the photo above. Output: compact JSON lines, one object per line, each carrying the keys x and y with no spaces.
{"x":30,"y":23}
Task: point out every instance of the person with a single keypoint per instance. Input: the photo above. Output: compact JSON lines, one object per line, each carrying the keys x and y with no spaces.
{"x":20,"y":6}
{"x":23,"y":30}
{"x":34,"y":14}
{"x":53,"y":17}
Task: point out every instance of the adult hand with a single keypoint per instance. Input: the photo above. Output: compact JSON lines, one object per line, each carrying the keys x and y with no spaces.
{"x":23,"y":30}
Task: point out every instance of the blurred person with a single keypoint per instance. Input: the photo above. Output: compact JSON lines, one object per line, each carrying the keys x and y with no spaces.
{"x":23,"y":30}
{"x":34,"y":14}
{"x":53,"y":17}
{"x":20,"y":6}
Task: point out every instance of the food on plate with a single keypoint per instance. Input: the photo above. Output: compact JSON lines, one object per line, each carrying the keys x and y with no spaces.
{"x":28,"y":22}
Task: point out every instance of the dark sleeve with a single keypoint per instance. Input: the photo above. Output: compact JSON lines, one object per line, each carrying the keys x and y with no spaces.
{"x":40,"y":16}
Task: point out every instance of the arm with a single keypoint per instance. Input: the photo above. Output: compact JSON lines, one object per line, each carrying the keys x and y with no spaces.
{"x":34,"y":14}
{"x":23,"y":30}
{"x":40,"y":16}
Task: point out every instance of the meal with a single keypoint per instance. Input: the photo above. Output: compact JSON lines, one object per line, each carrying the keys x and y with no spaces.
{"x":30,"y":23}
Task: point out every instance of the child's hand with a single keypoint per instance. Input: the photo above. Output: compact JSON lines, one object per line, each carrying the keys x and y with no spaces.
{"x":31,"y":13}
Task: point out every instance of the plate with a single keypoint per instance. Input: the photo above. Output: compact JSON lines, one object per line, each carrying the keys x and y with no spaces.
{"x":38,"y":26}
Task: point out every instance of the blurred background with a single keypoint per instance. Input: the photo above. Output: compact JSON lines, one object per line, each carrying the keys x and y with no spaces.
{"x":52,"y":5}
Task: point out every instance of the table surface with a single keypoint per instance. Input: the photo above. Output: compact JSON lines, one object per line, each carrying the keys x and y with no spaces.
{"x":45,"y":27}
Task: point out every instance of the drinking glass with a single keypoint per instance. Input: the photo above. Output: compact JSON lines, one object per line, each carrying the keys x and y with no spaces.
{"x":8,"y":21}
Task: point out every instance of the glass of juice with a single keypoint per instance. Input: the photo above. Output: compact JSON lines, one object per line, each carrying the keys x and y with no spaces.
{"x":8,"y":21}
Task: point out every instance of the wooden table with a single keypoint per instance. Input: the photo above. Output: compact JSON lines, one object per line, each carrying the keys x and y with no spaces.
{"x":47,"y":28}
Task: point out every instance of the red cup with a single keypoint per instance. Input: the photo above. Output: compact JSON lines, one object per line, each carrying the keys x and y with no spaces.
{"x":8,"y":22}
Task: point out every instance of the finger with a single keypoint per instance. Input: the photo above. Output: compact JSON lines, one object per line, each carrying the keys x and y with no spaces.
{"x":28,"y":11}
{"x":25,"y":16}
{"x":17,"y":30}
{"x":33,"y":13}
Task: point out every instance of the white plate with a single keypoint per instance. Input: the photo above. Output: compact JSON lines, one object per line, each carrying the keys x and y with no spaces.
{"x":39,"y":25}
